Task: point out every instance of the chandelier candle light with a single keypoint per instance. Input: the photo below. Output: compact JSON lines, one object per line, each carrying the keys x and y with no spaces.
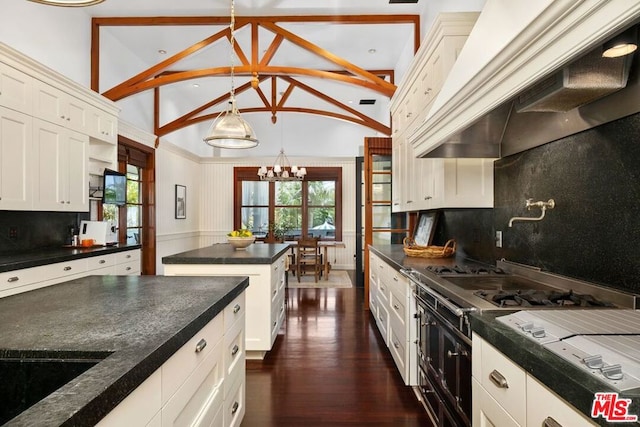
{"x":282,"y":170}
{"x":229,"y":130}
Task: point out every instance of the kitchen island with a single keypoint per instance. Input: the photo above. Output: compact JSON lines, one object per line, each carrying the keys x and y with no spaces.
{"x":264,"y":264}
{"x":132,"y":328}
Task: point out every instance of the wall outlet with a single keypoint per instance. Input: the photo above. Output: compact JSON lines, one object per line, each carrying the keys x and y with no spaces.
{"x":498,"y":239}
{"x":13,"y":232}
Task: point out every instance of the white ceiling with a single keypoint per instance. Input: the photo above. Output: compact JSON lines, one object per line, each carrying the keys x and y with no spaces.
{"x":371,"y":47}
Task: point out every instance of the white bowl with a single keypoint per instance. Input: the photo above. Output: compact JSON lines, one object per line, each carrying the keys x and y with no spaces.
{"x":241,"y":243}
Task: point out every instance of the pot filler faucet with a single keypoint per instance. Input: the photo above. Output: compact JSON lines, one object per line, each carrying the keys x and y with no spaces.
{"x":531,"y":204}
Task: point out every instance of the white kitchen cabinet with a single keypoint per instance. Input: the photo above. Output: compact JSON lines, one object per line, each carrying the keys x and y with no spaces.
{"x":103,"y":126}
{"x":395,"y":316}
{"x":397,"y":156}
{"x":506,"y":395}
{"x":16,"y":89}
{"x":16,"y":132}
{"x":59,"y":107}
{"x":265,"y":298}
{"x":61,"y":182}
{"x":190,"y":388}
{"x":26,"y":279}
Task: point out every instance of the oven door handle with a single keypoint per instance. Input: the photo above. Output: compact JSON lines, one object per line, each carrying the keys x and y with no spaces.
{"x":458,"y":311}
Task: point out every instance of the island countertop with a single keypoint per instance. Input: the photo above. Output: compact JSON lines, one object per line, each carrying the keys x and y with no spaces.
{"x":224,"y":253}
{"x":140,"y":320}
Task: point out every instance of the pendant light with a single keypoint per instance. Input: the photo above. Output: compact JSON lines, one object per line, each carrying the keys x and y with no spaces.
{"x":229,"y":130}
{"x":68,"y":3}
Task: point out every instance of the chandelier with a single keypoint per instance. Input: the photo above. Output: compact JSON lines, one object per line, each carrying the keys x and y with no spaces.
{"x":78,"y":3}
{"x":281,"y":170}
{"x":229,"y":130}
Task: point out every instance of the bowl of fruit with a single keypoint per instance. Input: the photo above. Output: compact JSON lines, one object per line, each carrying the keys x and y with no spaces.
{"x":241,"y":239}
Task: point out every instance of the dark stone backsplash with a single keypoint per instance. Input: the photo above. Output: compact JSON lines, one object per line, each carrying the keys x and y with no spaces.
{"x":36,"y":229}
{"x":593,"y":234}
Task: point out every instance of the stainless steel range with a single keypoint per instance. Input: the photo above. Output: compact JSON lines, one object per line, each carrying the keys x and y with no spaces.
{"x":604,"y":343}
{"x":446,"y":295}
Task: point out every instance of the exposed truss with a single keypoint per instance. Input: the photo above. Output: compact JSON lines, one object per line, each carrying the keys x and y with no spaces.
{"x":259,"y":69}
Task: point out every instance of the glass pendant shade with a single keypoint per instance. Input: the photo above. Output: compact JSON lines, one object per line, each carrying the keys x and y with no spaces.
{"x":68,"y":3}
{"x":229,"y":130}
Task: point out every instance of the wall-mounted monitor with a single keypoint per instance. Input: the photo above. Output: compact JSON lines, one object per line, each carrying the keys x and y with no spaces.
{"x":114,"y":186}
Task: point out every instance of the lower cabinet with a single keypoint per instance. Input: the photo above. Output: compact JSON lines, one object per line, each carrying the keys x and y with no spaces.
{"x":27,"y":279}
{"x":505,"y":395}
{"x":394,"y":310}
{"x":265,"y":298}
{"x":202,"y":384}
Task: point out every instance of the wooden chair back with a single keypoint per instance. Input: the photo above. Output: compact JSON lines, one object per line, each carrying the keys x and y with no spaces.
{"x":308,"y":257}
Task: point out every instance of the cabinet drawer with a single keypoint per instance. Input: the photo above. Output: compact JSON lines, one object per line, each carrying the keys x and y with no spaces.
{"x":397,"y":345}
{"x":63,"y":269}
{"x":234,"y":311}
{"x":128,"y":268}
{"x":488,"y":412}
{"x":382,"y":320}
{"x":383,"y":291}
{"x":127,"y":256}
{"x":99,"y":262}
{"x":504,"y":381}
{"x":234,"y":355}
{"x":234,"y":404}
{"x":179,"y":366}
{"x":554,"y":408}
{"x":398,"y":311}
{"x":139,"y":408}
{"x":199,"y":399}
{"x":398,"y":284}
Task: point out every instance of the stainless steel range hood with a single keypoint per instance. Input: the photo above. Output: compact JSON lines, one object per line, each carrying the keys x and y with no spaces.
{"x":548,"y":81}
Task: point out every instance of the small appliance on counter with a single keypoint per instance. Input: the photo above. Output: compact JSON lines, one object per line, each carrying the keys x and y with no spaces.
{"x":101,"y":232}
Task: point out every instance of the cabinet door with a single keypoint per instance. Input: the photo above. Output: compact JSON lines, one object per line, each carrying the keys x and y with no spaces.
{"x":553,"y":408}
{"x":15,"y":89}
{"x":15,"y":160}
{"x":397,"y":163}
{"x":48,"y":103}
{"x":77,"y":175}
{"x":486,"y":411}
{"x":102,"y":126}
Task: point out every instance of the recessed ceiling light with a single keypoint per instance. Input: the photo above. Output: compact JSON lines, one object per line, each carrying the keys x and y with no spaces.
{"x":68,"y":3}
{"x":162,"y":51}
{"x":350,"y":101}
{"x":196,"y":85}
{"x":372,"y":51}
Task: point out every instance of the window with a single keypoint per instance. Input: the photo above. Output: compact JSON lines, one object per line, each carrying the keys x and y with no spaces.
{"x":134,"y":204}
{"x":292,"y":209}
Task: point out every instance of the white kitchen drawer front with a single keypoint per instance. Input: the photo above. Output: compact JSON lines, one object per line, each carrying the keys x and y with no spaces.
{"x":382,"y":320}
{"x":398,"y":284}
{"x":234,"y":311}
{"x":398,"y":348}
{"x":235,"y":403}
{"x":140,"y":408}
{"x":16,"y":89}
{"x":384,"y":291}
{"x":128,"y":268}
{"x":277,"y":311}
{"x":179,"y":366}
{"x":234,"y":355}
{"x":126,"y":256}
{"x":545,"y":406}
{"x":398,"y":312}
{"x":487,"y":412}
{"x":504,"y":381}
{"x":199,"y":399}
{"x":99,"y":262}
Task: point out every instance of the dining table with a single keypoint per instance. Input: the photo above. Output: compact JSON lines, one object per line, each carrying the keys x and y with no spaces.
{"x":325,"y":245}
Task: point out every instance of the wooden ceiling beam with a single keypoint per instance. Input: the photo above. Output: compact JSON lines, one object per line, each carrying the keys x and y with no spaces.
{"x":132,"y":21}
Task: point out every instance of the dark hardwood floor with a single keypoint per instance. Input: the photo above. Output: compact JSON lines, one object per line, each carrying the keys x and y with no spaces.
{"x":328,"y":367}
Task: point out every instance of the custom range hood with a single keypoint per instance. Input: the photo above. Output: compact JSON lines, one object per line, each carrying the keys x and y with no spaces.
{"x":531,"y":73}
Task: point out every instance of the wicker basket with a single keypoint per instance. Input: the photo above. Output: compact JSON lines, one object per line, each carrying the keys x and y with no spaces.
{"x":413,"y":250}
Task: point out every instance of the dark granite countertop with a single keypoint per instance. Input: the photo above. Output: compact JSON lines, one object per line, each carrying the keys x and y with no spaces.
{"x":142,"y":320}
{"x":36,"y":258}
{"x":224,"y":253}
{"x":395,"y":256}
{"x":569,"y":382}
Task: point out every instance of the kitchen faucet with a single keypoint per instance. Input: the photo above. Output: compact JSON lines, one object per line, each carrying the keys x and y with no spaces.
{"x":531,"y":204}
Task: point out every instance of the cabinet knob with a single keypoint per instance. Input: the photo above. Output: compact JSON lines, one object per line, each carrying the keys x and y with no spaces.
{"x":201,"y":345}
{"x":236,"y":308}
{"x":235,"y":350}
{"x":67,"y":268}
{"x":13,"y":279}
{"x":234,"y":408}
{"x":102,"y":261}
{"x":128,"y":268}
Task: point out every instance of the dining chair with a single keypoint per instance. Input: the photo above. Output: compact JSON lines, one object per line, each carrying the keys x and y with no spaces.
{"x":308,"y":257}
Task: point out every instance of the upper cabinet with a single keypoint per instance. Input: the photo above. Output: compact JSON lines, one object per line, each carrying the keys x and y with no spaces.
{"x":54,"y":136}
{"x":421,"y":184}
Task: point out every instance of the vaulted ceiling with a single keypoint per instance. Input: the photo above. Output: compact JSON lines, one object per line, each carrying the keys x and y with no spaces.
{"x":313,"y":61}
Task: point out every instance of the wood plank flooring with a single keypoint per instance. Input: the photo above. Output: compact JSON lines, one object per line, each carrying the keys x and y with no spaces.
{"x":329,"y":367}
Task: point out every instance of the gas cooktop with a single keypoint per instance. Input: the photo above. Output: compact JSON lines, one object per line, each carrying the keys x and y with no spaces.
{"x":605,"y":343}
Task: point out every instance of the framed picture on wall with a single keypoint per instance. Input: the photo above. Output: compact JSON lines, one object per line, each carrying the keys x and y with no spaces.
{"x":425,"y":228}
{"x":181,"y":201}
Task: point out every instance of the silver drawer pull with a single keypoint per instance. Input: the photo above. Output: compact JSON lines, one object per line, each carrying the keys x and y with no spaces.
{"x":67,"y":268}
{"x":128,"y":256}
{"x":128,"y":268}
{"x":395,"y":278}
{"x":201,"y":345}
{"x":13,"y":279}
{"x":498,"y":379}
{"x":396,"y":345}
{"x":236,"y":308}
{"x":234,"y":408}
{"x":550,"y":422}
{"x":450,"y":354}
{"x":275,"y":291}
{"x":396,"y":306}
{"x":235,"y":350}
{"x":102,"y":261}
